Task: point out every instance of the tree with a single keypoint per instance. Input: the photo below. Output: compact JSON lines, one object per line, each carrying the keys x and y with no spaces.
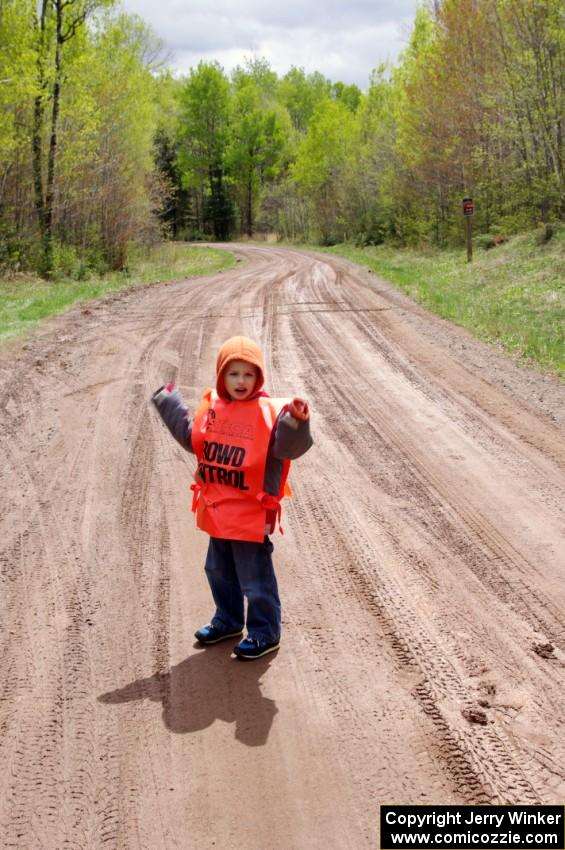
{"x":56,"y":23}
{"x":322,"y":165}
{"x":301,"y":94}
{"x":121,"y":192}
{"x":176,"y":210}
{"x":17,"y":89}
{"x":530,"y":84}
{"x":375,"y":204}
{"x":259,"y":73}
{"x":76,"y":169}
{"x":349,"y":95}
{"x":203,"y":137}
{"x":483,"y":113}
{"x":257,"y":140}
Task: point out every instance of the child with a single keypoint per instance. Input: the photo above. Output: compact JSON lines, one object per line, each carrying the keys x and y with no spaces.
{"x":243,"y":441}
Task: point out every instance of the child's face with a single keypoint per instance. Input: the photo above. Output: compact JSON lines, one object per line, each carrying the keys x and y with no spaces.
{"x":239,"y":379}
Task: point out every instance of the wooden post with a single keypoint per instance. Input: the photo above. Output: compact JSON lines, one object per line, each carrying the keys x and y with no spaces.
{"x":469,"y":235}
{"x":468,"y":211}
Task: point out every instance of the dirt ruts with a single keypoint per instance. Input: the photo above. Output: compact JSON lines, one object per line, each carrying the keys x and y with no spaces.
{"x":422,"y":574}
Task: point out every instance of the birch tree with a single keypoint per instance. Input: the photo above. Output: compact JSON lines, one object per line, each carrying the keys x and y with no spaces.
{"x":56,"y":23}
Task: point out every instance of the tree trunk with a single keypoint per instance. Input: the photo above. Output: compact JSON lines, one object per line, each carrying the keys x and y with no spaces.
{"x":52,"y":156}
{"x":37,"y":130}
{"x":249,"y":212}
{"x":44,"y":189}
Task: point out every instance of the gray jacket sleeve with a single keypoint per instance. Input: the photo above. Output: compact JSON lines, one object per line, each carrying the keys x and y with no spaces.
{"x":291,"y":438}
{"x":175,"y":414}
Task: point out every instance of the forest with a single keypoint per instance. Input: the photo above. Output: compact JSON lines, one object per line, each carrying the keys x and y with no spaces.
{"x":102,"y":146}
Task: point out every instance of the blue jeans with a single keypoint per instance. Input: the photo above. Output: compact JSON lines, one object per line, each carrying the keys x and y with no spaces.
{"x":238,"y":569}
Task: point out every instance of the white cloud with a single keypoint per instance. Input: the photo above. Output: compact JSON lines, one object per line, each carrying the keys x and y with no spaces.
{"x":344,"y":41}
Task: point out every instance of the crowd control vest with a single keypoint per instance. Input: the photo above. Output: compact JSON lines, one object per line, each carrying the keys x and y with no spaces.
{"x":231,"y":442}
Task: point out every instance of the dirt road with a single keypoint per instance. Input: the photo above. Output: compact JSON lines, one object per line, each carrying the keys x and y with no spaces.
{"x":422,"y":575}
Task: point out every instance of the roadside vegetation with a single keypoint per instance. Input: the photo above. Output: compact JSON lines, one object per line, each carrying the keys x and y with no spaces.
{"x":512,"y":293}
{"x":27,"y":299}
{"x":102,"y":148}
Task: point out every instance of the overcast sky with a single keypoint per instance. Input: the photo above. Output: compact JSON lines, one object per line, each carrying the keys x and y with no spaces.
{"x":342,"y":40}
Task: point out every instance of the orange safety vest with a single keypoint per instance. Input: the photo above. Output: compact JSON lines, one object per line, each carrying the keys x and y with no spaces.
{"x":231,"y":441}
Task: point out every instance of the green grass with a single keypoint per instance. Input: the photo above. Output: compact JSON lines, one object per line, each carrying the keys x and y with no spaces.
{"x":25,"y":300}
{"x":513,"y":294}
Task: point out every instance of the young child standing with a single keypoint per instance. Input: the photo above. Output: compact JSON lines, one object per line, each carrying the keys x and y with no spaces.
{"x":243,"y":441}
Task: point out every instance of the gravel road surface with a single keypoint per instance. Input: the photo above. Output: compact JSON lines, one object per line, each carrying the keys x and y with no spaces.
{"x":422,"y":574}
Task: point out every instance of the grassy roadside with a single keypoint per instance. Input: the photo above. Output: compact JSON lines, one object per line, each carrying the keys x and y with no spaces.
{"x":513,"y":294}
{"x":26,"y":300}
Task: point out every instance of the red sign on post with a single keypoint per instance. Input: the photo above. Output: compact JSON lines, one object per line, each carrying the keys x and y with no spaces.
{"x":468,"y":206}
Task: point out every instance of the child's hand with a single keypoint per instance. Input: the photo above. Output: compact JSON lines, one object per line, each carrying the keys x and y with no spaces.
{"x":299,"y":409}
{"x":159,"y":394}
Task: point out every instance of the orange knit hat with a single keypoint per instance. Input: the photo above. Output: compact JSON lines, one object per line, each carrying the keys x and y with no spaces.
{"x":238,"y":348}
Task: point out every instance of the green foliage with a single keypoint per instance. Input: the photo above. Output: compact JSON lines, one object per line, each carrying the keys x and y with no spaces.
{"x":300,"y":95}
{"x":203,"y":134}
{"x":15,"y":253}
{"x":232,"y":141}
{"x":322,"y":166}
{"x":348,"y":95}
{"x":176,"y":208}
{"x":203,"y":121}
{"x":258,"y":74}
{"x":76,"y":264}
{"x":257,"y":139}
{"x":485,"y":241}
{"x":545,"y":233}
{"x":79,"y":179}
{"x":474,"y":106}
{"x":481,"y":113}
{"x":109,"y":120}
{"x":375,"y":188}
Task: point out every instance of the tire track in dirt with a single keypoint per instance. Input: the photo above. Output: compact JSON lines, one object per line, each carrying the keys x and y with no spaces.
{"x":367,"y":594}
{"x":414,"y":649}
{"x":544,"y":614}
{"x":484,"y":529}
{"x":449,"y":372}
{"x":414,"y":582}
{"x":402,"y":446}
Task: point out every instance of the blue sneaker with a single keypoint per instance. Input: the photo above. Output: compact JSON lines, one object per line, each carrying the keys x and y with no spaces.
{"x":211,"y":634}
{"x":252,"y":648}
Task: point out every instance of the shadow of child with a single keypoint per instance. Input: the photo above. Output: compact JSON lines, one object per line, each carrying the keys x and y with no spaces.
{"x":208,"y":686}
